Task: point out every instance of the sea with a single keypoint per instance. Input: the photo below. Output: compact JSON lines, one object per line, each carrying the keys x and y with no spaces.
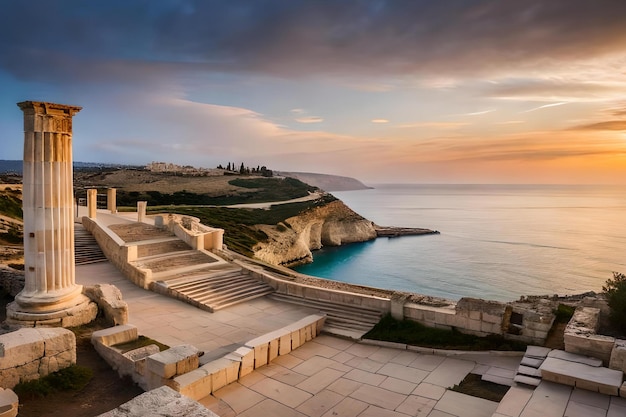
{"x":496,"y":242}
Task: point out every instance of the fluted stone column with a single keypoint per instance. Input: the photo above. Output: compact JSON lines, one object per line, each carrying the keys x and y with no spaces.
{"x":50,"y":295}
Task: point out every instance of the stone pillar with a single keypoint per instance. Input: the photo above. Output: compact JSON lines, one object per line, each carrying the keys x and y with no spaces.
{"x":92,"y":202}
{"x":141,"y":211}
{"x":111,"y":203}
{"x":50,"y":293}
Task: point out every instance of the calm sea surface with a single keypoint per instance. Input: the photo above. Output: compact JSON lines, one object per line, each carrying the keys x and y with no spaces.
{"x":497,"y":241}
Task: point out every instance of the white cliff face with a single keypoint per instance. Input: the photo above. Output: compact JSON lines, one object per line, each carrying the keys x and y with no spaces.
{"x":290,"y":243}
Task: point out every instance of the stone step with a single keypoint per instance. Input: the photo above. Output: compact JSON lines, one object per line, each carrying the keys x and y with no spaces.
{"x":527,"y":380}
{"x":341,"y":319}
{"x":529,"y":371}
{"x":199,"y":274}
{"x":86,"y":248}
{"x":160,"y":248}
{"x":531,"y":362}
{"x":214,"y":282}
{"x":217,"y":296}
{"x":496,"y":379}
{"x":366,"y":312}
{"x":246,"y":297}
{"x":345,"y":318}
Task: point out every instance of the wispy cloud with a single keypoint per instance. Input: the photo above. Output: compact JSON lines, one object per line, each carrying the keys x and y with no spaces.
{"x":382,"y":121}
{"x":309,"y":119}
{"x":545,"y":106}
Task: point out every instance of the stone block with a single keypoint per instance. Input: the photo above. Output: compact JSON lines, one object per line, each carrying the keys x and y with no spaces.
{"x":539,"y":352}
{"x":622,"y":390}
{"x":163,"y":401}
{"x":261,"y":354}
{"x":109,"y":300}
{"x":593,"y":378}
{"x":195,"y":384}
{"x":177,"y":360}
{"x":9,"y":377}
{"x":474,"y":325}
{"x":618,"y":355}
{"x":308,"y":333}
{"x":57,"y":340}
{"x":492,"y":318}
{"x":572,"y":357}
{"x":295,"y":339}
{"x":274,"y":349}
{"x":284,"y":346}
{"x":8,"y":403}
{"x":115,"y":335}
{"x":20,"y":347}
{"x":246,"y":356}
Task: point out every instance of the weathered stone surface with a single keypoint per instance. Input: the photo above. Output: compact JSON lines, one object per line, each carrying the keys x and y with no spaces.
{"x":618,"y":356}
{"x":593,"y":378}
{"x":109,"y":300}
{"x":8,"y":403}
{"x":174,"y":361}
{"x":160,"y":402}
{"x":20,"y":347}
{"x":115,"y":335}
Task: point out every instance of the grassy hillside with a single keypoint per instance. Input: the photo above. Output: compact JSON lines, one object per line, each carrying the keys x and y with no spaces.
{"x":245,"y":190}
{"x":11,"y":230}
{"x":239,"y":236}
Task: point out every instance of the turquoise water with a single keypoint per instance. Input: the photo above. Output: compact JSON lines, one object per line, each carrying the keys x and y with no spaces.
{"x":497,"y":242}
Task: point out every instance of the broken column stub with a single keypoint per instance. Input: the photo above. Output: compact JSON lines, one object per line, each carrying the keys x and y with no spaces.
{"x":50,"y":295}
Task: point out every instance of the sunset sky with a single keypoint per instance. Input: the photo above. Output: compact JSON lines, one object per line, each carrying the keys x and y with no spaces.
{"x":453,"y":91}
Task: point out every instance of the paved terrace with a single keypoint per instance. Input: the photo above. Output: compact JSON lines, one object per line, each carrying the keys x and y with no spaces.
{"x":330,"y":376}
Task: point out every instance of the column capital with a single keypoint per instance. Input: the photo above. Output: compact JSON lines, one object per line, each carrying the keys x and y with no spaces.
{"x":51,"y":109}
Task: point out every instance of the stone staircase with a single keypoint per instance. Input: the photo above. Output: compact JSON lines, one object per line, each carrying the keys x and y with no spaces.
{"x":528,"y":372}
{"x":213,"y":289}
{"x":86,"y":248}
{"x":342,"y":320}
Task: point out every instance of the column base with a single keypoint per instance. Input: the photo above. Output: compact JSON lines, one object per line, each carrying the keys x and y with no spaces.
{"x":75,"y":312}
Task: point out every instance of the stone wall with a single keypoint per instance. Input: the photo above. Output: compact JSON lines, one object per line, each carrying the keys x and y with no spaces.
{"x":179,"y":367}
{"x":581,"y":335}
{"x":31,"y":353}
{"x":117,"y":252}
{"x":11,"y":280}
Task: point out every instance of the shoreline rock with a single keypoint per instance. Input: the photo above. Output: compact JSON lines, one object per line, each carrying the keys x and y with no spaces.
{"x":393,"y":231}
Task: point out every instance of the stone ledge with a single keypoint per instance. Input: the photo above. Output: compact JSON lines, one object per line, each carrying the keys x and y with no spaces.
{"x":162,"y":401}
{"x":598,"y":379}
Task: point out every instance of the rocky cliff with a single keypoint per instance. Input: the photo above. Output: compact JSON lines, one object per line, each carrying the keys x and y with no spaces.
{"x":290,"y":242}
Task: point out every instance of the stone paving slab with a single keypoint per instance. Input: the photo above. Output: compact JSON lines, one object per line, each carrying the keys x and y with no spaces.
{"x":458,"y":404}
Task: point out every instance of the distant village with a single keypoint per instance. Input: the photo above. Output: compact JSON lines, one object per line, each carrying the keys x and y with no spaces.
{"x":229,"y":169}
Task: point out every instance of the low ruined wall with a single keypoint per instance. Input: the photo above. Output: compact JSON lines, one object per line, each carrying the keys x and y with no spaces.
{"x":117,"y":252}
{"x":581,"y":337}
{"x":179,"y":367}
{"x":319,"y":293}
{"x":11,"y":280}
{"x":31,"y":353}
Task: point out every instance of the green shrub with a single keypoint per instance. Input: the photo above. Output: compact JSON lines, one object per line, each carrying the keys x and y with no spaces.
{"x":563,"y":313}
{"x":72,"y":378}
{"x":615,"y":291}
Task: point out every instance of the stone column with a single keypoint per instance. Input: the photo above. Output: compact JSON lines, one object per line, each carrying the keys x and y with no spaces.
{"x":141,"y":211}
{"x":92,"y":203}
{"x":50,"y":294}
{"x":111,"y":203}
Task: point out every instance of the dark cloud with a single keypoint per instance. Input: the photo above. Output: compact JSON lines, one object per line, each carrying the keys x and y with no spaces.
{"x":44,"y":38}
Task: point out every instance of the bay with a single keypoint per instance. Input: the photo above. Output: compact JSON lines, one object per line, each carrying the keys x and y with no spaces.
{"x":497,"y":241}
